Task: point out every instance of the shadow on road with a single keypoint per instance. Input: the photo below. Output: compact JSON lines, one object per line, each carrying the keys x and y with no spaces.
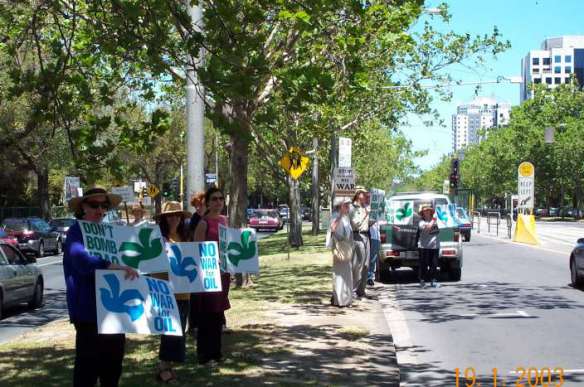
{"x":54,"y":308}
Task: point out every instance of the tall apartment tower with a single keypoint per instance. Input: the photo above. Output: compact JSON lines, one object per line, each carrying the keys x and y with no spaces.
{"x":470,"y":118}
{"x":555,"y":63}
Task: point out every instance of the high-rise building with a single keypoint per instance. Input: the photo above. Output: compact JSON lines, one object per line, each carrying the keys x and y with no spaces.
{"x":555,"y":63}
{"x":470,"y":118}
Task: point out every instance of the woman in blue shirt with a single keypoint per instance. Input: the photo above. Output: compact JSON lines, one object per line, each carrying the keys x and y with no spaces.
{"x":97,"y":356}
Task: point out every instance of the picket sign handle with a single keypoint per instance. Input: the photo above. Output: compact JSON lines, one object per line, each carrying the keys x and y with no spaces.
{"x":127,"y":216}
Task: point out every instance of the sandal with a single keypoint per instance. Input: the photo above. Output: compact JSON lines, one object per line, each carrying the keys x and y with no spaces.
{"x":166,"y":376}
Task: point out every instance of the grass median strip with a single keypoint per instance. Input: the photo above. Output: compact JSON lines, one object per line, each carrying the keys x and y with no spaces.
{"x":45,"y":356}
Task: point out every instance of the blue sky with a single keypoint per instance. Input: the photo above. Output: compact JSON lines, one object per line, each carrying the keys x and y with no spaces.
{"x":525,"y":23}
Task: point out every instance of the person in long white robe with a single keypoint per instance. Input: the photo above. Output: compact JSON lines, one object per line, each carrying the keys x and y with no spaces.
{"x":342,"y":245}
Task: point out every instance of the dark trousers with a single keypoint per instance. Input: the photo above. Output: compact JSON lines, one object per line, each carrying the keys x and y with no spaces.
{"x":428,"y":264}
{"x":173,"y":348}
{"x":193,"y":315}
{"x":97,"y":357}
{"x":209,"y":336}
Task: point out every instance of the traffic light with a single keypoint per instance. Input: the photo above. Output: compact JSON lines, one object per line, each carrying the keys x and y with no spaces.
{"x":454,"y":177}
{"x":166,"y":190}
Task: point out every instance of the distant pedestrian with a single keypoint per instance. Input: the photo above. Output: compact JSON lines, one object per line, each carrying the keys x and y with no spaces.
{"x":198,"y":202}
{"x":342,"y":245}
{"x":138,"y":213}
{"x":429,"y":245}
{"x":359,"y":216}
{"x":97,"y":356}
{"x":211,"y":313}
{"x":173,"y":348}
{"x":375,"y":242}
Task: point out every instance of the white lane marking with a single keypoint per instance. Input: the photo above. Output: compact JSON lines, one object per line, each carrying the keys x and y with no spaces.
{"x":397,"y":322}
{"x":51,"y":262}
{"x":519,"y":313}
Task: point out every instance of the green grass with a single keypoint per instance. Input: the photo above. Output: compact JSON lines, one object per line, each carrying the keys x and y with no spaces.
{"x":46,"y":358}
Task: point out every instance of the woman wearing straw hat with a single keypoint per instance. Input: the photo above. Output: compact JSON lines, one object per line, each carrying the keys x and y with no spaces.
{"x":359,"y":217}
{"x":97,"y":356}
{"x":429,"y":245}
{"x":173,"y":348}
{"x":342,"y":244}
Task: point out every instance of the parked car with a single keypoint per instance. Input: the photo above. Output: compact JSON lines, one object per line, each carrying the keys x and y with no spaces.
{"x":464,"y":223}
{"x":399,"y":242}
{"x":307,"y":214}
{"x":249,"y":213}
{"x":554,"y":211}
{"x":4,"y":237}
{"x":577,"y":264}
{"x":265,"y":219}
{"x":20,"y":280}
{"x":284,"y":212}
{"x":34,"y":235}
{"x":62,"y":226}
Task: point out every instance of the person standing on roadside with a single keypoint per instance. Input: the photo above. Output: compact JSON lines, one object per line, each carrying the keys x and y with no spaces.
{"x":375,"y":243}
{"x":429,"y":245}
{"x":138,"y":212}
{"x":97,"y":356}
{"x":211,"y":313}
{"x":198,"y":202}
{"x":359,"y":217}
{"x":342,"y":245}
{"x":173,"y":348}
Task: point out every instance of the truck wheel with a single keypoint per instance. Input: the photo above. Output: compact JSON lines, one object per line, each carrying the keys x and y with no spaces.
{"x":385,"y":273}
{"x":455,"y":273}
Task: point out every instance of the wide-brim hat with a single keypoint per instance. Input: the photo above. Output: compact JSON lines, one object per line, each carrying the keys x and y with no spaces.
{"x":113,"y":199}
{"x":339,"y":201}
{"x":172,"y":207}
{"x":359,"y":189}
{"x":425,"y":207}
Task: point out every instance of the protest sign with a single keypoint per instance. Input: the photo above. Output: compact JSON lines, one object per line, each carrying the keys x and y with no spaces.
{"x":194,"y":267}
{"x":143,"y":305}
{"x":400,"y":212}
{"x":71,"y":188}
{"x":445,"y":216}
{"x":137,"y":247}
{"x":377,"y":203}
{"x":239,"y":250}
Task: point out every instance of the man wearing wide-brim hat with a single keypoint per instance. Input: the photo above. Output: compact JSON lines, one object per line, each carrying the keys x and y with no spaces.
{"x":359,"y":217}
{"x":97,"y":356}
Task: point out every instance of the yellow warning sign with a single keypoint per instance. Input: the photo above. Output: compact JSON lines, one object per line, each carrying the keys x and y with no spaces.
{"x":526,"y":169}
{"x":153,"y":191}
{"x":294,"y":163}
{"x":525,"y":230}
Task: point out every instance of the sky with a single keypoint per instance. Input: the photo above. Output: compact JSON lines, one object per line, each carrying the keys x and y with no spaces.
{"x":525,"y":23}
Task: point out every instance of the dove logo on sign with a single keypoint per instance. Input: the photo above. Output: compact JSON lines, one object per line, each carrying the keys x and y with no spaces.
{"x":117,"y":302}
{"x":182,"y":266}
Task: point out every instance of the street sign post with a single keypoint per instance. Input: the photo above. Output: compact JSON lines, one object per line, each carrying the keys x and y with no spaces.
{"x":526,"y":185}
{"x":210,"y":178}
{"x":344,"y":152}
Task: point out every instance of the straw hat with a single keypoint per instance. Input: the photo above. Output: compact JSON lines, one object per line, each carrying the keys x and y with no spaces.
{"x":359,"y":189}
{"x":113,"y":199}
{"x":173,"y":207}
{"x":338,"y":201}
{"x":425,"y":207}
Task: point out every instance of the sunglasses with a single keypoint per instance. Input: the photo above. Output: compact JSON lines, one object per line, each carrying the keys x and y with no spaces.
{"x":96,"y":205}
{"x":217,"y":198}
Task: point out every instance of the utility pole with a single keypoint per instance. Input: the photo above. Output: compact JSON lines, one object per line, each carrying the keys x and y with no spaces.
{"x":195,"y":111}
{"x":315,"y":188}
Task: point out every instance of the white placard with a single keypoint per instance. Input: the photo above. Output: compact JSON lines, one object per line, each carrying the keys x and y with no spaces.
{"x":71,"y":188}
{"x":126,"y":192}
{"x":143,"y":305}
{"x":194,"y":267}
{"x":239,"y":250}
{"x":139,"y":247}
{"x":344,"y":182}
{"x":400,"y":212}
{"x":345,"y":152}
{"x":444,"y":216}
{"x":377,"y":203}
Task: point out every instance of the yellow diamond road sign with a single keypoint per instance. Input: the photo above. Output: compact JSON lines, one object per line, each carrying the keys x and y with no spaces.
{"x":153,"y":191}
{"x":294,"y":163}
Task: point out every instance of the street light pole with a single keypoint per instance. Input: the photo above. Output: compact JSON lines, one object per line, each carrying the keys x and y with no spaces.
{"x":195,"y":111}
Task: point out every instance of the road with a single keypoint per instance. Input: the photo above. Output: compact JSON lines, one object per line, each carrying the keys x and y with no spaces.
{"x":20,"y":319}
{"x":513,"y":308}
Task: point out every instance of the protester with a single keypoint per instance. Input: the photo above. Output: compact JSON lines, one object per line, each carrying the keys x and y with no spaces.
{"x":138,"y":212}
{"x":173,"y":348}
{"x":359,"y":216}
{"x":212,"y":305}
{"x":342,"y":245}
{"x":375,"y":243}
{"x":97,"y":356}
{"x":429,"y":245}
{"x":198,"y":202}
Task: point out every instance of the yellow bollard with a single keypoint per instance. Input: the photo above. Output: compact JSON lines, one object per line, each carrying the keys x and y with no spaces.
{"x":525,"y":230}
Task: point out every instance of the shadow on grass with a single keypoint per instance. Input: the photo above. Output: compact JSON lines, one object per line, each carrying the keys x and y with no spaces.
{"x":278,"y":243}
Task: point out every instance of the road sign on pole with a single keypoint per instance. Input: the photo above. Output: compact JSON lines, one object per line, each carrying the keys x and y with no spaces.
{"x":345,"y":152}
{"x":526,"y":185}
{"x":344,"y":182}
{"x":294,"y":162}
{"x":153,"y":191}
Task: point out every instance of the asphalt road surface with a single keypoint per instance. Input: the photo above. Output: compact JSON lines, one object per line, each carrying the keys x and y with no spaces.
{"x":20,"y":319}
{"x":513,"y":310}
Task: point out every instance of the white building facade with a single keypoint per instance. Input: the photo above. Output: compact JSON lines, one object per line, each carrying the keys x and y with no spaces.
{"x":558,"y":60}
{"x":470,"y":120}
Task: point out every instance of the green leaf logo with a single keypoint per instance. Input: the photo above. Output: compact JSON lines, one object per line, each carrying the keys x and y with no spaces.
{"x":237,"y":252}
{"x":133,"y":253}
{"x":404,"y":212}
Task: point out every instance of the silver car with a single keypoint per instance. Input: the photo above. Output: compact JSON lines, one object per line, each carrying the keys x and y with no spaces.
{"x":20,"y":280}
{"x":577,"y":264}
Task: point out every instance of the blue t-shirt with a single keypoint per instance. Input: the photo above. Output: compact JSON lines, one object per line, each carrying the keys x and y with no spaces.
{"x":79,"y":269}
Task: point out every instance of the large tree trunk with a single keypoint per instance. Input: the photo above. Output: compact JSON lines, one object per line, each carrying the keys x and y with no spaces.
{"x":238,"y":192}
{"x":315,"y":190}
{"x":42,"y":172}
{"x":295,"y":236}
